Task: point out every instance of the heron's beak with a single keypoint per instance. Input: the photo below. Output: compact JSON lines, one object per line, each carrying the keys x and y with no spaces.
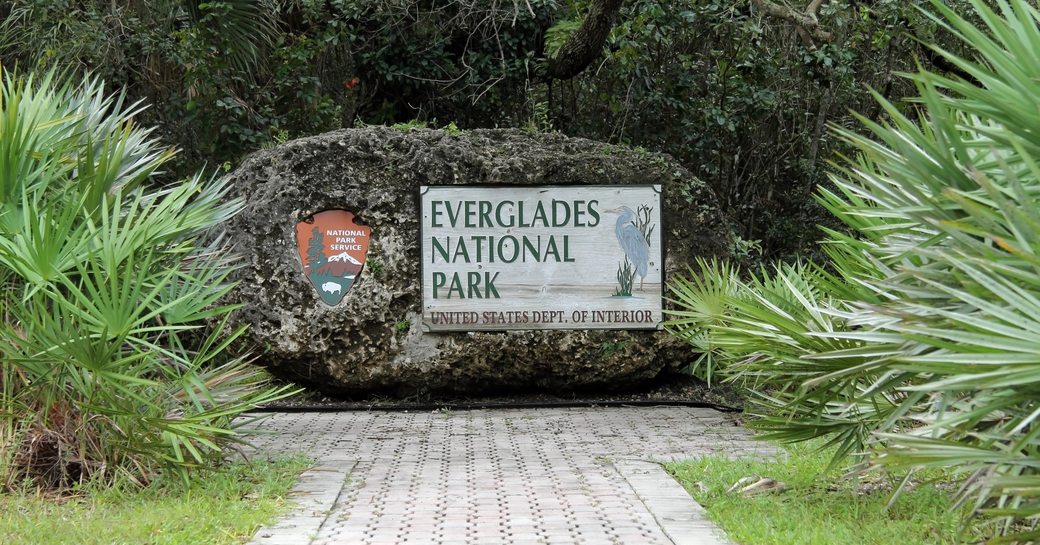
{"x":613,"y":210}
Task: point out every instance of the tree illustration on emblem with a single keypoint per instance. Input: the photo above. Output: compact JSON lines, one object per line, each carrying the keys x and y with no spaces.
{"x":315,"y":251}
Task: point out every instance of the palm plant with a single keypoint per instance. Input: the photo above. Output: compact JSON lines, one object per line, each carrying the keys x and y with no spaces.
{"x":703,"y":299}
{"x":923,"y":348}
{"x":106,"y":366}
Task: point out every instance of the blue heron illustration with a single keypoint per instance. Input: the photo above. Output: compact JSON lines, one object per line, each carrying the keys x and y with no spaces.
{"x":632,"y":240}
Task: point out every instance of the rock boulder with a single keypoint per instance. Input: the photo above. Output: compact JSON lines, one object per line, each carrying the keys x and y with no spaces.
{"x":372,"y":341}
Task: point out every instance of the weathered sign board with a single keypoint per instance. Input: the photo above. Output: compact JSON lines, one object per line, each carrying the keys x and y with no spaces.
{"x":561,"y":257}
{"x":332,"y":251}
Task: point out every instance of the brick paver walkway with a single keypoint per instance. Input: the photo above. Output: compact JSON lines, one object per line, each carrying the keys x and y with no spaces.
{"x":581,"y":476}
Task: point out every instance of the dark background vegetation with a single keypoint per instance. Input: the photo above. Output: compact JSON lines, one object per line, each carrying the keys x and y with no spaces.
{"x":741,"y":92}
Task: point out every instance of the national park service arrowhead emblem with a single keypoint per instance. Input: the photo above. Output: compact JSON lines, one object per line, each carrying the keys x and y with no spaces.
{"x":332,"y":250}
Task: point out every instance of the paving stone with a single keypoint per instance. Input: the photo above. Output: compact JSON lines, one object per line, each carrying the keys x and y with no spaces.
{"x":576,"y":476}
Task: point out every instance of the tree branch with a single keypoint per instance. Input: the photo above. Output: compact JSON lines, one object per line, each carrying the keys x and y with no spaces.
{"x":814,"y":8}
{"x":805,"y":21}
{"x":586,"y":43}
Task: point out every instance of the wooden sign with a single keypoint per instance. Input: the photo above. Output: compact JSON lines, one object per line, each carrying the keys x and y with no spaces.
{"x":575,"y":257}
{"x":332,"y":251}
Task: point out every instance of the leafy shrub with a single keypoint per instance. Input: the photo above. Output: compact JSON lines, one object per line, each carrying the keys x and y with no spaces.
{"x":922,"y":348}
{"x":106,"y":367}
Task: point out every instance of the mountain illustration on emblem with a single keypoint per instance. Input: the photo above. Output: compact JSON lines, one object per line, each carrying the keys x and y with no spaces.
{"x":332,"y":251}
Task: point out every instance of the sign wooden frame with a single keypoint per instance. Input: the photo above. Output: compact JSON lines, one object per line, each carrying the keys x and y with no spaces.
{"x":500,"y":258}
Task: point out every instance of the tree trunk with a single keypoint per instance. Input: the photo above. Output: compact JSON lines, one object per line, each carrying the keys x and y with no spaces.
{"x":586,"y":43}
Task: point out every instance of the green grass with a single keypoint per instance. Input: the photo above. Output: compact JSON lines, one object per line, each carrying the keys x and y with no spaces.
{"x":818,"y":508}
{"x":216,"y":509}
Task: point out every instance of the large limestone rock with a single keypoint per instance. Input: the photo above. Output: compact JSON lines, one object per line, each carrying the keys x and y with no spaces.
{"x":372,"y":340}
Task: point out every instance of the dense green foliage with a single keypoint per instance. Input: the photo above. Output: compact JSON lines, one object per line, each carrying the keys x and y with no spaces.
{"x":105,"y":286}
{"x":807,"y":504}
{"x":918,"y":346}
{"x":740,"y":98}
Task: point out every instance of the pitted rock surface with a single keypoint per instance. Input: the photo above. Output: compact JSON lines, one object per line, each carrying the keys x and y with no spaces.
{"x":373,"y":339}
